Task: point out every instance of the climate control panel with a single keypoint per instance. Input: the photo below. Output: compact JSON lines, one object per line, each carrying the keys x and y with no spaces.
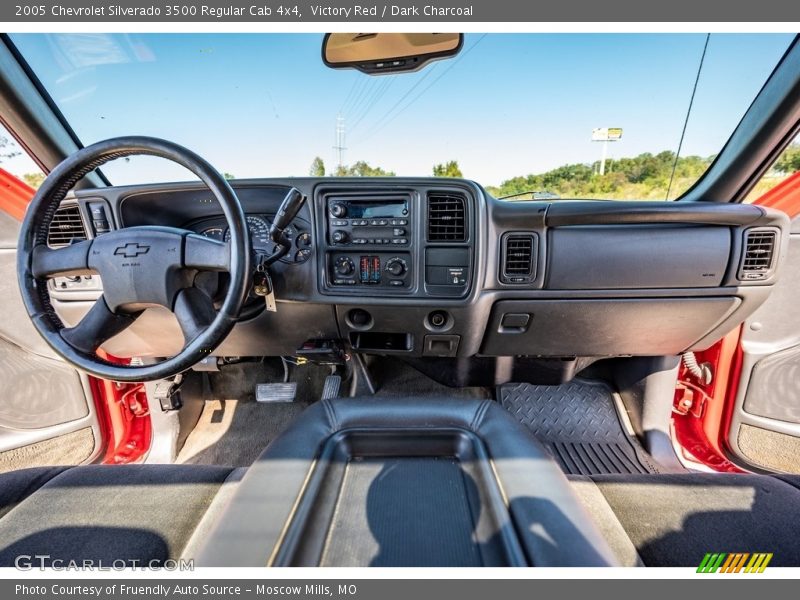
{"x":374,"y":269}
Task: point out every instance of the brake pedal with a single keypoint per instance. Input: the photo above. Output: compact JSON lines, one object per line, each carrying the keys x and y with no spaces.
{"x":331,"y":388}
{"x":276,"y":392}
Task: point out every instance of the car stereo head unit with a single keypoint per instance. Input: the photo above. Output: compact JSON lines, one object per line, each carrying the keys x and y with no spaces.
{"x":369,"y":221}
{"x":341,"y":208}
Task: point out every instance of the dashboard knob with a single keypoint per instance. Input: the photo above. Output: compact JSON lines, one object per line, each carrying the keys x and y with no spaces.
{"x":338,"y":210}
{"x":396,"y":266}
{"x":344,"y":266}
{"x":339,"y":237}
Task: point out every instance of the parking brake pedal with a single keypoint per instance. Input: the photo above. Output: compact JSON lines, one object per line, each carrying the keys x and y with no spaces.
{"x":276,"y":392}
{"x":331,"y":388}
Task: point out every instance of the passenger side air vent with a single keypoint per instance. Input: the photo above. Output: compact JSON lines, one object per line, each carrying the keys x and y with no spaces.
{"x":66,"y":228}
{"x":758,"y":254}
{"x":447,"y":218}
{"x":518,"y":258}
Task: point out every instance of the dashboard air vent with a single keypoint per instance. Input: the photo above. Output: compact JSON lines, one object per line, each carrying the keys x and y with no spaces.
{"x":66,"y":228}
{"x":518,"y":258}
{"x":758,"y":254}
{"x":447,"y":218}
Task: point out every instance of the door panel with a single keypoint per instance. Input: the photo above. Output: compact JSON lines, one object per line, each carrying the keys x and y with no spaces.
{"x":46,"y":412}
{"x":765,"y":425}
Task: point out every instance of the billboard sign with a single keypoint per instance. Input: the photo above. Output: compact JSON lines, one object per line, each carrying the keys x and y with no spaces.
{"x":607,"y":134}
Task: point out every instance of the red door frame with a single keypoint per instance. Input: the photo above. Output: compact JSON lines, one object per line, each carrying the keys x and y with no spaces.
{"x":15,"y":195}
{"x":702,"y":414}
{"x":121,"y":407}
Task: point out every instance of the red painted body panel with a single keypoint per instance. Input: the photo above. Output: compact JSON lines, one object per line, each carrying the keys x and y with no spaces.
{"x":121,"y":408}
{"x":15,"y":195}
{"x":785,"y":196}
{"x":703,"y":431}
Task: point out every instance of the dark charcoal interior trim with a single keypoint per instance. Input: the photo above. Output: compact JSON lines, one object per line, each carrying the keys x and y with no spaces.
{"x":586,"y":250}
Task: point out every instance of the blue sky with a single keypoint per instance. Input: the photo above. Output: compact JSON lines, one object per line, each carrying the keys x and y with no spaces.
{"x":511,"y":104}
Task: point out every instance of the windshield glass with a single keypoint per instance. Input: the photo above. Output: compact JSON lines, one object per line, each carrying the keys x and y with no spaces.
{"x":544,"y":116}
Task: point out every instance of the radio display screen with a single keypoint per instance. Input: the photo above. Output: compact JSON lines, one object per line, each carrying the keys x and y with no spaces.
{"x":373,"y":209}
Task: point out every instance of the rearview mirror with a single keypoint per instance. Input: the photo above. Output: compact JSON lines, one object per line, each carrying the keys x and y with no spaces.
{"x":379,"y":53}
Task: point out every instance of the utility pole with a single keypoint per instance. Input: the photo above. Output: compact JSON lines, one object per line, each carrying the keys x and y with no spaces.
{"x":340,"y":147}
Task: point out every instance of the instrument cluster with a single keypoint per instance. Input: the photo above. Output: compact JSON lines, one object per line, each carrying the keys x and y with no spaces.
{"x":299,"y":232}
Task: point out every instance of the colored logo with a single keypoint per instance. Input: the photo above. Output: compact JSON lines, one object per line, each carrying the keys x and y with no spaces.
{"x":737,"y":562}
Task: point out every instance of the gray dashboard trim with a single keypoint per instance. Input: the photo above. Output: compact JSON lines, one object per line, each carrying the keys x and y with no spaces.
{"x":492,"y":218}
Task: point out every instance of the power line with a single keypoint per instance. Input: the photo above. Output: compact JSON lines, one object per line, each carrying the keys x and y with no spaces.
{"x":356,"y":82}
{"x":421,"y":93}
{"x":360,"y":102}
{"x":377,"y":97}
{"x":688,"y":112}
{"x":408,"y":92}
{"x":355,"y":94}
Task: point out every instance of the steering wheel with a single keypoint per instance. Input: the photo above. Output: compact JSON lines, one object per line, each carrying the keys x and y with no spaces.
{"x":139,"y":267}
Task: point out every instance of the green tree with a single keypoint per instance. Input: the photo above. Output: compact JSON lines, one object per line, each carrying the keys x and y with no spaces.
{"x":362,"y":169}
{"x":317,"y":168}
{"x":789,"y":161}
{"x":642,"y":177}
{"x":6,"y":150}
{"x":448,"y":169}
{"x":34,"y":180}
{"x":228,"y":176}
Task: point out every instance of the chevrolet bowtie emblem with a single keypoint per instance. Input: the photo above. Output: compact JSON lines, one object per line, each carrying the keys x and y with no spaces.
{"x":131,"y":250}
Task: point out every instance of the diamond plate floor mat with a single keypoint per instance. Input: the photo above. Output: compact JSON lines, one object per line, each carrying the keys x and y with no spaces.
{"x":578,"y":423}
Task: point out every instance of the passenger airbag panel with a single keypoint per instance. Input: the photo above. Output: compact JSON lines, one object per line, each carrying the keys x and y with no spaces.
{"x":630,"y":257}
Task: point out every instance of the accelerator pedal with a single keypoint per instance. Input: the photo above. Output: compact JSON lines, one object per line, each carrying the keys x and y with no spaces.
{"x":276,"y":392}
{"x":331,"y":388}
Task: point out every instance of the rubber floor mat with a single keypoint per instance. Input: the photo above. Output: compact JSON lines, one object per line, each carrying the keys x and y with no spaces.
{"x":579,"y":425}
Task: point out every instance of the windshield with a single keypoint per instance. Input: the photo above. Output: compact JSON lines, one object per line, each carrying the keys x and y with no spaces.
{"x":543,"y":116}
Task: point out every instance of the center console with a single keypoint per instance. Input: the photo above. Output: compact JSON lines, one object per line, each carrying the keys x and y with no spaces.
{"x":369,"y":242}
{"x":404,"y":482}
{"x":390,"y":241}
